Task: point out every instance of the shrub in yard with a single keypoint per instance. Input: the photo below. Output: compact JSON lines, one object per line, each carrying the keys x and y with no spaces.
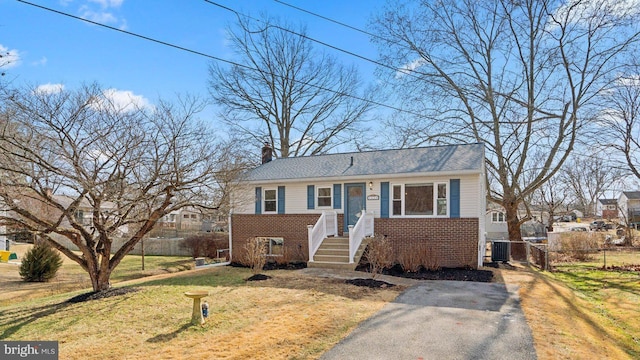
{"x":205,"y":245}
{"x":579,"y":246}
{"x":40,"y":263}
{"x":430,"y":260}
{"x":409,"y":259}
{"x":254,"y":256}
{"x":379,"y":254}
{"x":422,"y":255}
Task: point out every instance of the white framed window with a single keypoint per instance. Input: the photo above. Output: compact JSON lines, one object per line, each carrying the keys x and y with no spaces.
{"x":270,"y":197}
{"x":420,"y":199}
{"x":275,"y":245}
{"x":324,"y":196}
{"x":498,"y":217}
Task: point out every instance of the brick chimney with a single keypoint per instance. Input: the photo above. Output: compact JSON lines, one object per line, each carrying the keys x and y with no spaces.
{"x":267,"y":153}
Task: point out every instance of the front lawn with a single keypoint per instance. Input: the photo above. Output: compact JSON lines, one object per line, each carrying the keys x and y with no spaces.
{"x":290,"y":315}
{"x":581,"y":312}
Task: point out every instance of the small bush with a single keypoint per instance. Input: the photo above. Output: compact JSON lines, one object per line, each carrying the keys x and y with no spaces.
{"x":379,"y":253}
{"x":579,"y":247}
{"x":430,"y":259}
{"x":255,"y":251}
{"x":420,"y":256}
{"x":410,"y":259}
{"x":40,"y":263}
{"x":205,"y":245}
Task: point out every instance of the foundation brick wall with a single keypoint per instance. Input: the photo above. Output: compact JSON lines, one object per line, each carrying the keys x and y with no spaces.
{"x":291,"y":227}
{"x":453,"y":241}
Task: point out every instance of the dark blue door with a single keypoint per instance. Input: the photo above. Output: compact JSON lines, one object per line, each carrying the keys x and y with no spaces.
{"x":354,"y":201}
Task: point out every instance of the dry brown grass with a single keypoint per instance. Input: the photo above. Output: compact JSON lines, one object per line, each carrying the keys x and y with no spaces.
{"x":290,"y":316}
{"x":564,"y":325}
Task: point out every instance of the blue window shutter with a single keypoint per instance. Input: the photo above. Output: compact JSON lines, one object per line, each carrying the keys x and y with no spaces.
{"x":258,"y":200}
{"x":384,"y":199}
{"x":280,"y":199}
{"x":311,"y":193}
{"x":337,"y":196}
{"x":454,"y":192}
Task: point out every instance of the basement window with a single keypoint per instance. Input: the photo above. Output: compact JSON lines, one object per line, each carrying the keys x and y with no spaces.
{"x":275,"y":245}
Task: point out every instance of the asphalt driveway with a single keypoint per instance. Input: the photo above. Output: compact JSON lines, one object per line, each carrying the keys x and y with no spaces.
{"x":443,"y":320}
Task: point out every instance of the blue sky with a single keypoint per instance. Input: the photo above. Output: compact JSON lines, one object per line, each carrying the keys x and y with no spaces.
{"x":49,"y":48}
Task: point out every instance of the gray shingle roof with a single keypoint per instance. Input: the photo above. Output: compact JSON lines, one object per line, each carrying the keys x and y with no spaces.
{"x":449,"y":158}
{"x":608,"y":201}
{"x":632,"y":195}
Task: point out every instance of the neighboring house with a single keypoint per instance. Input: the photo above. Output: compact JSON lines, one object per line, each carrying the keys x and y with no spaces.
{"x":629,"y":204}
{"x":190,"y":219}
{"x":607,"y":208}
{"x":496,"y":222}
{"x":432,"y":197}
{"x":84,"y":211}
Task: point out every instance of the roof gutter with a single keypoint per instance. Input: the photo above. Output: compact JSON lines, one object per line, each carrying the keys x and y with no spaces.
{"x":366,"y":177}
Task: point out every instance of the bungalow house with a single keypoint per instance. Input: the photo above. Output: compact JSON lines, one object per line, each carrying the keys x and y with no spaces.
{"x":629,"y":203}
{"x":320,"y":208}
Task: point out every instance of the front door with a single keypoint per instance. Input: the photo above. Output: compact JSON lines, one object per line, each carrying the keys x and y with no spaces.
{"x":354,"y":203}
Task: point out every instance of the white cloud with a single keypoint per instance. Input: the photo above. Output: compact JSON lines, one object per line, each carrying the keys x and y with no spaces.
{"x":9,"y":58}
{"x":49,"y":88}
{"x":41,"y":62}
{"x":633,"y":80}
{"x":123,"y":100}
{"x":105,"y":12}
{"x":410,"y":67}
{"x":103,"y":17}
{"x":581,"y":10}
{"x":108,"y":3}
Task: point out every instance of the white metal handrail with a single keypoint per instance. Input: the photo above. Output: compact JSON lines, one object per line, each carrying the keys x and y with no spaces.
{"x":327,"y":225}
{"x":357,"y":232}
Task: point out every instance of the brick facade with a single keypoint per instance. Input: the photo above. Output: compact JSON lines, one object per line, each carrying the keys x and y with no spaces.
{"x":291,"y":227}
{"x":453,"y":241}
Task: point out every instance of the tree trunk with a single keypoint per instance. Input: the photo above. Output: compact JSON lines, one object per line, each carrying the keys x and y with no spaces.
{"x":518,"y":251}
{"x":100,"y":280}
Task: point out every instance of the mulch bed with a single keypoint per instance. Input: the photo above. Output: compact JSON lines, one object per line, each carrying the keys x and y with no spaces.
{"x":96,"y":295}
{"x":370,"y":283}
{"x":258,"y":277}
{"x":457,"y":274}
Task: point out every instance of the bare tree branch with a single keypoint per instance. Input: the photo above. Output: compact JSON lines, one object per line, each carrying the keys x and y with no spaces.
{"x":301,"y":101}
{"x":72,"y":150}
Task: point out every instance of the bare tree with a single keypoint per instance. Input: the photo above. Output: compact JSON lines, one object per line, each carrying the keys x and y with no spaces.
{"x":622,"y":120}
{"x":588,"y":178}
{"x":551,"y":197}
{"x":130,"y":166}
{"x":301,"y":101}
{"x":520,"y":76}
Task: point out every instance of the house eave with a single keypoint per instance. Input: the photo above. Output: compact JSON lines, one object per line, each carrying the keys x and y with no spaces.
{"x":354,"y":178}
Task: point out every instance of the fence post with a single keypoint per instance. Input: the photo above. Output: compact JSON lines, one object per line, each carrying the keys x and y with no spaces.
{"x":528,"y":252}
{"x":604,"y":252}
{"x":546,"y":257}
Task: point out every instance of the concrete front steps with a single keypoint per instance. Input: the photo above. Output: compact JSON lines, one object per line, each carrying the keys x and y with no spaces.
{"x":333,"y":253}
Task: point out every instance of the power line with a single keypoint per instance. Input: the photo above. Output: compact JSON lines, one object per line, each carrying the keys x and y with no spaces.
{"x":178,"y":47}
{"x":331,"y":20}
{"x":239,"y":14}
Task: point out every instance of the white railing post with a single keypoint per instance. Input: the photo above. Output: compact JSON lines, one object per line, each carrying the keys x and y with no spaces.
{"x":351,"y":241}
